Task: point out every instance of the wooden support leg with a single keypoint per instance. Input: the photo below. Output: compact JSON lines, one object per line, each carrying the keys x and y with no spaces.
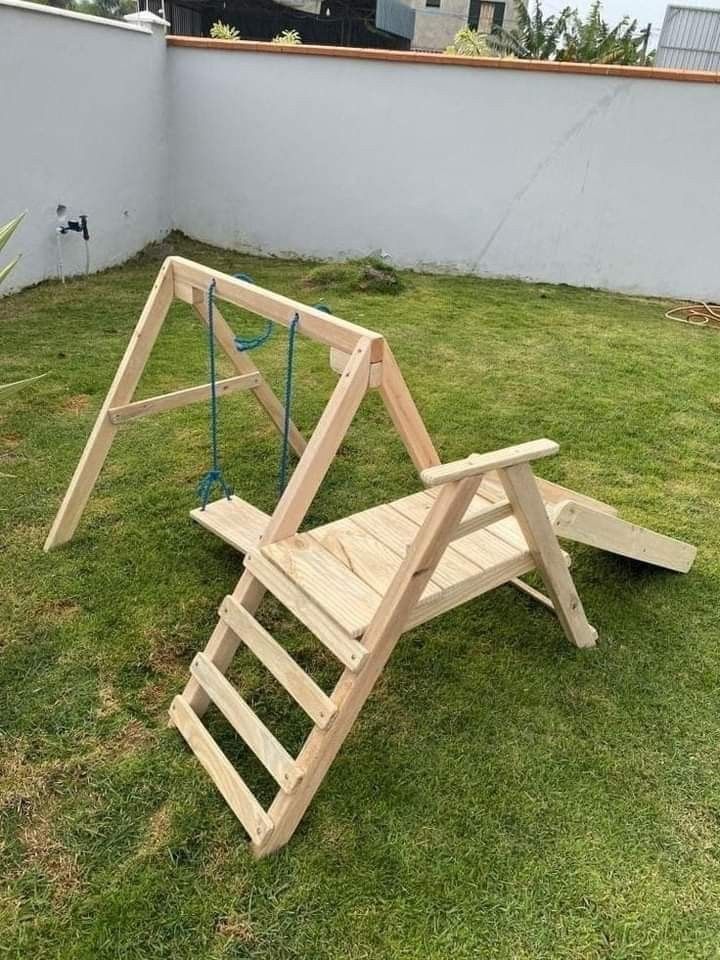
{"x":120,"y":393}
{"x":293,"y":504}
{"x":404,"y":414}
{"x":530,"y":513}
{"x":353,"y":689}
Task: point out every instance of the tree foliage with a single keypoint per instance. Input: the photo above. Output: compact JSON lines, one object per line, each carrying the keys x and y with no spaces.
{"x":592,"y":40}
{"x":570,"y":37}
{"x":534,"y":36}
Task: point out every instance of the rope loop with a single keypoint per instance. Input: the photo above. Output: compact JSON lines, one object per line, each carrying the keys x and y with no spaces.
{"x":245,"y":344}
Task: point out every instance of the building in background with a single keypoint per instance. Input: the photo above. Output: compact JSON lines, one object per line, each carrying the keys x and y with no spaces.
{"x":690,"y":39}
{"x":437,"y":21}
{"x":398,"y":24}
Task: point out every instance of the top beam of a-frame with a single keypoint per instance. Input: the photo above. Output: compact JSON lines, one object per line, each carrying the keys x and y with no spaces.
{"x":314,"y":324}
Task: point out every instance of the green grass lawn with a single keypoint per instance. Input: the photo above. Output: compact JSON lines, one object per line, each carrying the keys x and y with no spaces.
{"x":503,"y":795}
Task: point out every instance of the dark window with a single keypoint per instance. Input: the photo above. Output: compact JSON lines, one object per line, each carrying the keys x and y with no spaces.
{"x":484,"y":16}
{"x":432,"y":3}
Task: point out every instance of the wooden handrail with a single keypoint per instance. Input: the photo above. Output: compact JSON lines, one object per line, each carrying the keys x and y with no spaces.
{"x":479,"y":463}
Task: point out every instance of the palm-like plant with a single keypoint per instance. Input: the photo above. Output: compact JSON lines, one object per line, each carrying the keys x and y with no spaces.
{"x":471,"y":43}
{"x":534,"y":36}
{"x":592,"y":41}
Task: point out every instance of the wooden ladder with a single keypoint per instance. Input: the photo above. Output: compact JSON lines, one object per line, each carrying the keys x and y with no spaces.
{"x":284,"y":769}
{"x":363,"y":659}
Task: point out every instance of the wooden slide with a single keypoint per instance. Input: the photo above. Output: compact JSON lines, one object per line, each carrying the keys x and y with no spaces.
{"x":575,"y":516}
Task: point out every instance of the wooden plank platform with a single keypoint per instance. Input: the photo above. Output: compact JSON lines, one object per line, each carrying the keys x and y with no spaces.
{"x":344,"y":568}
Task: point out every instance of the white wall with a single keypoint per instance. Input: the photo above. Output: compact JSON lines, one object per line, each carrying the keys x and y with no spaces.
{"x":587,"y":180}
{"x":561,"y":177}
{"x":83,"y":124}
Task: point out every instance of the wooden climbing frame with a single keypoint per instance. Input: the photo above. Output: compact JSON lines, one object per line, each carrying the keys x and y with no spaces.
{"x":359,"y":582}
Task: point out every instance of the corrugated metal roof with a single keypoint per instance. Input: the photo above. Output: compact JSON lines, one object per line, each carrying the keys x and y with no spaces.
{"x":690,"y":39}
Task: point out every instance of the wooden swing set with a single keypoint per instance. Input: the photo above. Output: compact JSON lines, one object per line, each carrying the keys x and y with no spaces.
{"x":359,"y":582}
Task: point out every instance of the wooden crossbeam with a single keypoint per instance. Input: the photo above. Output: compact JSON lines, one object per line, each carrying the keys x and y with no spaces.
{"x":181,"y":398}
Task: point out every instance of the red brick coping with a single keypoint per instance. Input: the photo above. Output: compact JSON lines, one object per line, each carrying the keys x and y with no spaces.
{"x":482,"y":63}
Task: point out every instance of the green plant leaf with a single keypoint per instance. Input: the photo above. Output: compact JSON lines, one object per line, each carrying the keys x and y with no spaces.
{"x":4,"y":271}
{"x":7,"y":388}
{"x":9,"y":229}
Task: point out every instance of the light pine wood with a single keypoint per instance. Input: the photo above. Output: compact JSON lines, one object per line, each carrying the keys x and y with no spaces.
{"x":367,"y":557}
{"x":246,"y":723}
{"x":181,"y":398}
{"x":468,"y":589}
{"x":339,"y":360}
{"x":301,"y":687}
{"x":329,"y":582}
{"x":551,"y":492}
{"x":323,"y":445}
{"x":237,"y":522}
{"x":262,"y":392}
{"x":404,"y":414}
{"x":583,"y":524}
{"x":479,"y":463}
{"x":294,"y":504}
{"x":121,"y":391}
{"x":315,"y":324}
{"x":530,"y":512}
{"x":236,"y":792}
{"x":352,"y":690}
{"x":328,"y":631}
{"x":485,"y":517}
{"x":532,"y":592}
{"x":390,"y":527}
{"x":481,"y":523}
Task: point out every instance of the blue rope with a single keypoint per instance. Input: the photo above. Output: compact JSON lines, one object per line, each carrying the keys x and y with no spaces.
{"x":214,"y":475}
{"x":285,"y":448}
{"x":244,"y":344}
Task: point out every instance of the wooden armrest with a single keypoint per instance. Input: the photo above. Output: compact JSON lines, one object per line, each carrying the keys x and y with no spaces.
{"x":478,"y":463}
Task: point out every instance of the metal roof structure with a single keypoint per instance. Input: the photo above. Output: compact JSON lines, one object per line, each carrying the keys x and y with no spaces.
{"x":690,"y":39}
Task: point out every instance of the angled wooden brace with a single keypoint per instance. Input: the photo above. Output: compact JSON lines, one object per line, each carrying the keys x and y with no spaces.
{"x":118,"y":407}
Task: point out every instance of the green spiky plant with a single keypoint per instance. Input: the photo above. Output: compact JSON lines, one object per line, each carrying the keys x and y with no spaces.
{"x":5,"y":233}
{"x":223,"y":31}
{"x":471,"y":43}
{"x":291,"y":37}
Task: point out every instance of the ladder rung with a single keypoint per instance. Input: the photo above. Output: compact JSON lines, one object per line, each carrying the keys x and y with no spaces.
{"x":316,"y":704}
{"x":269,"y":751}
{"x":236,"y":792}
{"x":350,"y":652}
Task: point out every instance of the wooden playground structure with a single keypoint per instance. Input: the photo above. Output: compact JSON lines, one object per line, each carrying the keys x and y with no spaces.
{"x":359,"y":582}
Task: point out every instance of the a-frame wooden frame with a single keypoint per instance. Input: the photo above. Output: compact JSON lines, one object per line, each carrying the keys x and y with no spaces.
{"x":184,"y":280}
